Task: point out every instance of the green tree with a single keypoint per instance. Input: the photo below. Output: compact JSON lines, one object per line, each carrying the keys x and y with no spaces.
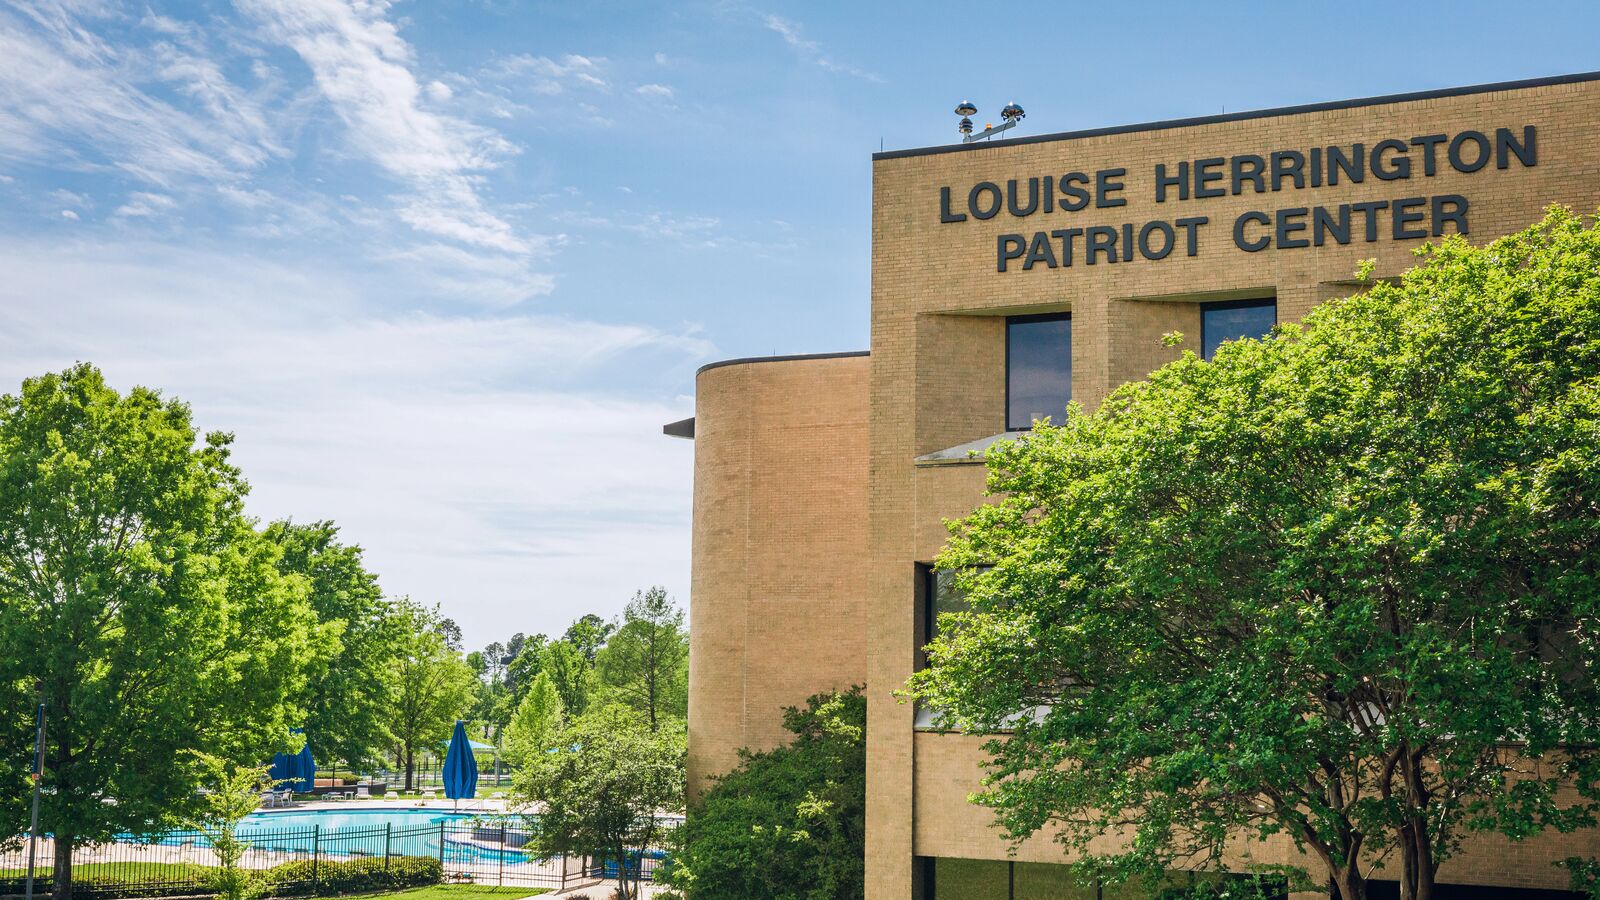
{"x":602,"y":788}
{"x":588,"y":634}
{"x":1314,"y":588}
{"x":790,"y":822}
{"x":526,"y":654}
{"x":434,"y":687}
{"x":533,"y":729}
{"x":570,"y":672}
{"x":351,"y":686}
{"x":231,"y":793}
{"x":140,"y":605}
{"x":645,"y":662}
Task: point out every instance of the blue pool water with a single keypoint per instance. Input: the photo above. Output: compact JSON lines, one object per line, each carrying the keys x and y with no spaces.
{"x":370,"y":833}
{"x":328,"y":819}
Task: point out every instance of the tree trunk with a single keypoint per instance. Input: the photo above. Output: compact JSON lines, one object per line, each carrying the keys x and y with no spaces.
{"x":1351,"y":886}
{"x":62,"y":875}
{"x":411,"y":767}
{"x":1417,"y":869}
{"x":66,"y":792}
{"x":622,"y":873}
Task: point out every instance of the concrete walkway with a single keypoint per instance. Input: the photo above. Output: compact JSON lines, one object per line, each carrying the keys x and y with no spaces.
{"x":600,"y":890}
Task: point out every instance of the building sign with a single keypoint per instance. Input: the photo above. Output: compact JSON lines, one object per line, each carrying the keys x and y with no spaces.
{"x":1189,"y":183}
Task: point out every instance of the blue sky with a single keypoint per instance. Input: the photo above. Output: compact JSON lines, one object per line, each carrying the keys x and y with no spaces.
{"x":445,"y":268}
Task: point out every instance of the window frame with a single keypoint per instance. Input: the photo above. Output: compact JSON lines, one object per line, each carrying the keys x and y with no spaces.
{"x":1247,"y":303}
{"x":1035,"y":317}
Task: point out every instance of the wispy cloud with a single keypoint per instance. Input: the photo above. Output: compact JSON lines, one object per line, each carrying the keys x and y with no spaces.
{"x":698,"y":232}
{"x":654,"y":90}
{"x":362,"y":66}
{"x":74,"y":100}
{"x":471,"y":456}
{"x":145,"y":204}
{"x":812,"y":51}
{"x":547,"y":75}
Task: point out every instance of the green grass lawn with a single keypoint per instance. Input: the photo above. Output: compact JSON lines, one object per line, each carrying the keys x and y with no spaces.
{"x":118,"y":872}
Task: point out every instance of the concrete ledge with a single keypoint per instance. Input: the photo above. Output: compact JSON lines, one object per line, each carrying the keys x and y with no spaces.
{"x":970,"y":453}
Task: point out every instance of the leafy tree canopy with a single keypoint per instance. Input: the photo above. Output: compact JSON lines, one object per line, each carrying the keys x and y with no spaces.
{"x":788,"y":823}
{"x":139,"y":603}
{"x":350,"y":689}
{"x":434,"y":687}
{"x":231,"y":793}
{"x":1339,"y":584}
{"x":603,"y":787}
{"x":571,"y":673}
{"x":645,"y":662}
{"x":588,"y":634}
{"x":534,"y":727}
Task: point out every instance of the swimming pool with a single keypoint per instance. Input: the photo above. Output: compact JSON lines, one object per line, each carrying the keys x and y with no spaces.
{"x":453,"y":838}
{"x":349,"y":818}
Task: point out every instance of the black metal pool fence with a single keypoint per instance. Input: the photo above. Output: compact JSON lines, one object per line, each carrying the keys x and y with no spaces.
{"x":179,"y":863}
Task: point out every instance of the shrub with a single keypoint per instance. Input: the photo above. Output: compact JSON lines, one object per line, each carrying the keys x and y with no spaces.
{"x":305,"y":878}
{"x":790,"y":822}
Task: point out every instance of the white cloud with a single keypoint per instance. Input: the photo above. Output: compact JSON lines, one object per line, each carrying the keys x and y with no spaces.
{"x":73,"y":100}
{"x":69,"y":214}
{"x":808,"y":49}
{"x":654,"y":90}
{"x":362,"y":67}
{"x":545,"y":75}
{"x":145,"y":204}
{"x":474,"y":457}
{"x":439,"y":92}
{"x":790,"y":32}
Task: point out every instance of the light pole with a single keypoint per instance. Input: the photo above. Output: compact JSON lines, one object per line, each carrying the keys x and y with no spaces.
{"x":38,"y":779}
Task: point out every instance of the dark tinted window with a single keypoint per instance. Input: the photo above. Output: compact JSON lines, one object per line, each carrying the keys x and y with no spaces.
{"x":1233,"y":320}
{"x":941,"y":596}
{"x":1038,"y":369}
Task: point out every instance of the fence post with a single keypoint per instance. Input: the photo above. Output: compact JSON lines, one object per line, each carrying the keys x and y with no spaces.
{"x":388,"y":841}
{"x":502,"y":854}
{"x":316,"y":853}
{"x":441,"y":845}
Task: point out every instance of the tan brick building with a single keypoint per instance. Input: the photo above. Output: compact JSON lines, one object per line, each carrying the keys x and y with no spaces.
{"x":1008,"y":277}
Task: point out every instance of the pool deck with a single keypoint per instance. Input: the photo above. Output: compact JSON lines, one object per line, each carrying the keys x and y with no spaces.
{"x":477,"y":805}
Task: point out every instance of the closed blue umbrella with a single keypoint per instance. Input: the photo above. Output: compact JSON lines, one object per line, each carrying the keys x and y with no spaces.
{"x":305,"y":770}
{"x":293,"y":771}
{"x":460,"y":768}
{"x":282,"y":769}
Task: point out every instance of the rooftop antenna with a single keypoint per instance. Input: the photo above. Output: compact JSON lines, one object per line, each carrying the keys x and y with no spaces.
{"x":1010,"y":116}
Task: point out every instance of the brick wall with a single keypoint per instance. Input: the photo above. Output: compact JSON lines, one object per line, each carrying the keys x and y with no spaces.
{"x":779,"y":549}
{"x":937,"y":374}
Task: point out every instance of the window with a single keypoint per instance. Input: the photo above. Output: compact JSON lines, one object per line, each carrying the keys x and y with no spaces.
{"x":1038,"y":369}
{"x":1234,"y":319}
{"x":939,"y":595}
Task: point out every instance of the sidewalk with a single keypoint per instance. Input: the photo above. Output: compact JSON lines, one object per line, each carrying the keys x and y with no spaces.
{"x":600,"y":890}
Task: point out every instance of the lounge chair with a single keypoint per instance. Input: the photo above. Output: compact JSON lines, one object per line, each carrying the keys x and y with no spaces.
{"x":361,"y":792}
{"x":391,"y":795}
